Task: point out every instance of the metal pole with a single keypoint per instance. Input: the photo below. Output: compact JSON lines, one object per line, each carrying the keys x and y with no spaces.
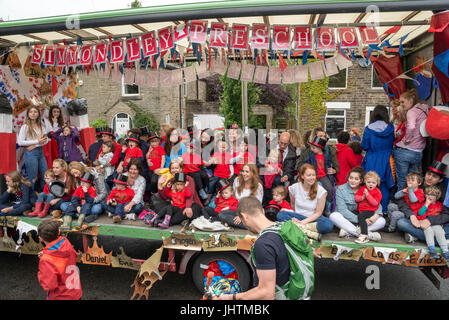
{"x":298,"y":95}
{"x":245,"y":106}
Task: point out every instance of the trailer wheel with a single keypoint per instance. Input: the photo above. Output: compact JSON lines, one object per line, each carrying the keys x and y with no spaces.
{"x":202,"y":263}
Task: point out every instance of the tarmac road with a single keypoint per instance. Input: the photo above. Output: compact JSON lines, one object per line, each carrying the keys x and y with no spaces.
{"x":334,"y":280}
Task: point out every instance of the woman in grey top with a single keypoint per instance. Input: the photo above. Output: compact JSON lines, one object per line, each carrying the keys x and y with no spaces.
{"x":138,"y":183}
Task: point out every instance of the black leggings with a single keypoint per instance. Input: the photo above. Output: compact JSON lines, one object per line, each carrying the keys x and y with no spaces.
{"x":362,"y":216}
{"x":201,"y":179}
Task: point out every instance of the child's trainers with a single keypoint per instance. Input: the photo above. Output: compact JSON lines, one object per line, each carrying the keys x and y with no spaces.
{"x":445,"y":255}
{"x":117,"y":219}
{"x":362,"y":239}
{"x":433,"y":254}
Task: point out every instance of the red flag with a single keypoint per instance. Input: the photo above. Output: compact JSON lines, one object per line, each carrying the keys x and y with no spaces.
{"x":54,"y":85}
{"x":198,"y":31}
{"x":101,"y":52}
{"x":369,"y":35}
{"x":439,"y":21}
{"x":38,"y":53}
{"x":86,"y":55}
{"x":133,"y":48}
{"x":303,"y":38}
{"x":325,"y":38}
{"x":61,"y":56}
{"x":260,"y":38}
{"x":392,"y":30}
{"x":239,"y":36}
{"x":281,"y":38}
{"x":50,"y":56}
{"x":348,"y":38}
{"x":117,"y":51}
{"x":166,"y":39}
{"x":282,"y":63}
{"x":218,"y":35}
{"x":149,"y":44}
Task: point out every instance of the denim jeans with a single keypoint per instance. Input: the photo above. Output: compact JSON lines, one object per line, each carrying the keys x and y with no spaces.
{"x":35,"y":163}
{"x":405,"y":161}
{"x":96,"y":209}
{"x":17,"y":210}
{"x":324,"y":225}
{"x":43,"y":197}
{"x":406,"y":226}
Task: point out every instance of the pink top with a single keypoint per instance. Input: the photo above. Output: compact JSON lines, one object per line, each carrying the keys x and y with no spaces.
{"x":413,"y":139}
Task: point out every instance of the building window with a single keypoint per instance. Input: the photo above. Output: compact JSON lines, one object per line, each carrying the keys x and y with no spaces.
{"x":335,"y":122}
{"x":375,"y":83}
{"x":368,"y":112}
{"x":167,"y":118}
{"x":339,"y":80}
{"x":130,"y":90}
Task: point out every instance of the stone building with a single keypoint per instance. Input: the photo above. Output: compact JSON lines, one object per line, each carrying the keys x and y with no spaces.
{"x":185,"y":105}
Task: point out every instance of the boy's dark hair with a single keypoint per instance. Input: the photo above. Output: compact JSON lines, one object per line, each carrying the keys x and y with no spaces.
{"x":356,"y":147}
{"x":135,"y":131}
{"x":343,"y":137}
{"x":48,"y":230}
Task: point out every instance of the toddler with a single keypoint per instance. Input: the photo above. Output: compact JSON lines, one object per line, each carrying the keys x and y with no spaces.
{"x":221,"y":160}
{"x":132,"y":151}
{"x":193,"y":167}
{"x":224,"y":201}
{"x":119,"y":197}
{"x":368,"y":199}
{"x":105,"y":157}
{"x":40,"y":209}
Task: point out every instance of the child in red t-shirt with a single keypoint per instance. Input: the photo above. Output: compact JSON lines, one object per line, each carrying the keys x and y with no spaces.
{"x":368,"y":199}
{"x":179,"y":193}
{"x":155,"y":155}
{"x":221,"y":160}
{"x":413,"y":196}
{"x":81,"y":202}
{"x":242,"y":157}
{"x":132,"y":151}
{"x":272,"y":169}
{"x":119,"y":197}
{"x":193,"y":166}
{"x":279,"y":195}
{"x":224,"y":200}
{"x":45,"y":196}
{"x":432,"y":207}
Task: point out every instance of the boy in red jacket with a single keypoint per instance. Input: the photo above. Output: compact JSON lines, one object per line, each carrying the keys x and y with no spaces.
{"x":345,"y":156}
{"x":224,"y":200}
{"x":368,"y":199}
{"x":119,"y":197}
{"x":58,"y":273}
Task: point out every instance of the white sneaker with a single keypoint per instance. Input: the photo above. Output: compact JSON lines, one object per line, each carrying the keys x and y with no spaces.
{"x":343,"y":233}
{"x":374,"y":236}
{"x":110,"y":214}
{"x":409,"y":238}
{"x":130,"y":216}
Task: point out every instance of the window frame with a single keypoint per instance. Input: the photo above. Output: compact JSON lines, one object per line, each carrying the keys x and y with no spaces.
{"x":346,"y":81}
{"x":340,"y":106}
{"x":129,"y":95}
{"x":372,"y":80}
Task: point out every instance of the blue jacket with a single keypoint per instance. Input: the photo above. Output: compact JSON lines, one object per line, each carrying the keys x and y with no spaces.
{"x":378,"y":143}
{"x":311,"y":159}
{"x":28,"y":197}
{"x":346,"y":205}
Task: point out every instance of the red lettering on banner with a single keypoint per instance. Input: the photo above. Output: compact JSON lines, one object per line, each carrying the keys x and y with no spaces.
{"x":166,"y":40}
{"x":218,"y":35}
{"x":49,"y":57}
{"x":348,"y":37}
{"x":325,"y":38}
{"x":61,"y":56}
{"x":86,"y":55}
{"x":101,"y":52}
{"x":117,"y":51}
{"x":133,"y":47}
{"x":37,"y":54}
{"x":260,"y":38}
{"x":281,"y":38}
{"x":149,"y":44}
{"x":181,"y":31}
{"x":303,"y":38}
{"x":72,"y":55}
{"x":369,"y":35}
{"x":198,"y":31}
{"x":239,"y":36}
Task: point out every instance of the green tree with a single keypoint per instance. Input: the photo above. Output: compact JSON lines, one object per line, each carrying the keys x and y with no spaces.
{"x":231,"y":102}
{"x":143,"y":118}
{"x":135,"y":4}
{"x":100,"y":122}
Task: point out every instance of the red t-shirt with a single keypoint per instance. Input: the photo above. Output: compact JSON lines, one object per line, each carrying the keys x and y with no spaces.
{"x":192,"y":162}
{"x":365,"y":205}
{"x":433,"y":210}
{"x":130,"y":154}
{"x":247,"y":158}
{"x":116,"y":158}
{"x":79,"y":193}
{"x":46,"y":189}
{"x":222,"y":203}
{"x":155,"y":156}
{"x":179,"y":197}
{"x":122,"y":196}
{"x":284,"y":204}
{"x":320,"y":166}
{"x":415,"y":206}
{"x":222,"y":169}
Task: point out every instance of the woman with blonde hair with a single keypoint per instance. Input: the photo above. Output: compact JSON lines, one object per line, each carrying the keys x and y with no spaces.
{"x":296,"y":140}
{"x":308,"y":200}
{"x":409,"y":149}
{"x":18,"y":197}
{"x":33,"y":136}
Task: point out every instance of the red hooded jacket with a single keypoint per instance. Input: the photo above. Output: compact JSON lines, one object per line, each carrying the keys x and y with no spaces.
{"x":58,"y":274}
{"x":347,"y":160}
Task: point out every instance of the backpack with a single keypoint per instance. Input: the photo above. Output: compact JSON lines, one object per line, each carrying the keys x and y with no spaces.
{"x":300,"y":255}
